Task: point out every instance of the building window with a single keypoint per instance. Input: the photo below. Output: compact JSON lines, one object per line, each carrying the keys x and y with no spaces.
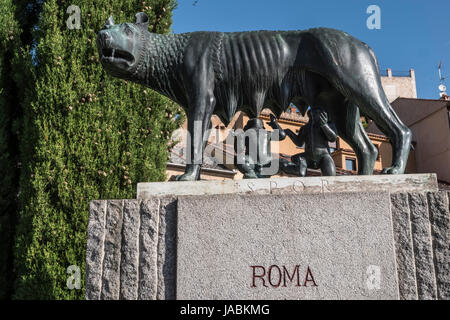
{"x":332,"y":146}
{"x":350,"y":164}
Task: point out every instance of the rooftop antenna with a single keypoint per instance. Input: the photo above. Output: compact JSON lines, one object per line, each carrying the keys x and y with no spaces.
{"x":442,"y":87}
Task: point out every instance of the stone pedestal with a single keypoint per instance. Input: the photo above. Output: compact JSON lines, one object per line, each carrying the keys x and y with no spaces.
{"x":377,"y":237}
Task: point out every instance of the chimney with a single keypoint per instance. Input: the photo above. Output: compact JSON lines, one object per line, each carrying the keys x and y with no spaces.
{"x":389,"y":73}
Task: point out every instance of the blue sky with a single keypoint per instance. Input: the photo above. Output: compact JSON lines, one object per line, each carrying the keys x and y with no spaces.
{"x":414,"y":33}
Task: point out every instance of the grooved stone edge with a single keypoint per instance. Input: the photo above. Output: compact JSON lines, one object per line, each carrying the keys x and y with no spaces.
{"x":112,"y":247}
{"x":94,"y":249}
{"x":406,"y":267}
{"x":148,"y":242}
{"x":423,"y":251}
{"x":438,"y":204}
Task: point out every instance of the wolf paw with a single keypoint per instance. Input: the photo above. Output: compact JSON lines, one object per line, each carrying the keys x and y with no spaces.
{"x":391,"y":170}
{"x":186,"y":177}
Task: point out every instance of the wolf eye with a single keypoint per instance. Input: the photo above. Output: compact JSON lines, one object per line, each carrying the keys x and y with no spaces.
{"x":128,"y":31}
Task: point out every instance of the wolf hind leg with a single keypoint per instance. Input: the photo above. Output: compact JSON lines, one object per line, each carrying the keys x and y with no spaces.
{"x":367,"y":93}
{"x":354,"y":134}
{"x":378,"y":108}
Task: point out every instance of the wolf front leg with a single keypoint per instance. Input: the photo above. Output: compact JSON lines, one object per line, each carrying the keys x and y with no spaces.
{"x":199,"y":123}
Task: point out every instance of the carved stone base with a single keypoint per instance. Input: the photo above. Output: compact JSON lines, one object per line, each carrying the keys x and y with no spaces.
{"x":285,"y":244}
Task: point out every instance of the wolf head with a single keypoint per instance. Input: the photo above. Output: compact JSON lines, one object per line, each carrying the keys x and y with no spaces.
{"x":121,"y":46}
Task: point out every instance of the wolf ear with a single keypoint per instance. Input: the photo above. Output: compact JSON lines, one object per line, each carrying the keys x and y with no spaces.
{"x":142,"y":19}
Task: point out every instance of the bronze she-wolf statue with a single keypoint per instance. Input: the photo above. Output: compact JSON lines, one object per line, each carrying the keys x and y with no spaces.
{"x":221,"y":73}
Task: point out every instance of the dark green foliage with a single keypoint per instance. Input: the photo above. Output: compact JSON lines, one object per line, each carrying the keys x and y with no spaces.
{"x":10,"y":115}
{"x":86,"y":136}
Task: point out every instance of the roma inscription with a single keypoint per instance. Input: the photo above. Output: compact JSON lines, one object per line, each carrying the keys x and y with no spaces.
{"x":281,"y":276}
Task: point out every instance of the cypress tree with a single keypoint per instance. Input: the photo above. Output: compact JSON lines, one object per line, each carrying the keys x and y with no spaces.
{"x":86,"y":136}
{"x":9,"y":129}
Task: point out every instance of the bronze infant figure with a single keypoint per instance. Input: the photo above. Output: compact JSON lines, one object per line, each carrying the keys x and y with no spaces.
{"x":253,"y":150}
{"x":314,"y":136}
